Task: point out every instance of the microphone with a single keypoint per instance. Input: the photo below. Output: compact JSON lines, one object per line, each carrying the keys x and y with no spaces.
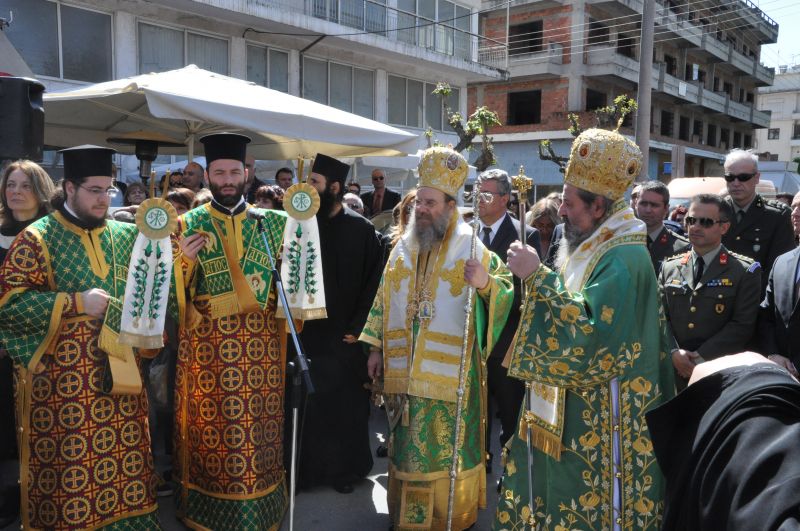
{"x":252,"y":213}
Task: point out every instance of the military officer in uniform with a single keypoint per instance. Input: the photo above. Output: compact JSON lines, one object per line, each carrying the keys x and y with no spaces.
{"x":652,"y":208}
{"x":711,"y":295}
{"x":760,"y":229}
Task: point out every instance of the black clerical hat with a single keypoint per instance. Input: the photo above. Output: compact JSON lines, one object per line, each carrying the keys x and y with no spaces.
{"x":332,"y":169}
{"x":87,"y":161}
{"x":225,"y":146}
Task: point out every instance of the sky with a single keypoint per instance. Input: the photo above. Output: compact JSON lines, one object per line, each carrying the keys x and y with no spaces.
{"x":787,"y":14}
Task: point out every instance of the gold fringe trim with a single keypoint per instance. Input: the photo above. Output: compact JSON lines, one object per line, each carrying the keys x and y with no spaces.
{"x":546,"y":441}
{"x":141,"y":341}
{"x":224,"y":305}
{"x":395,"y":386}
{"x":445,"y":391}
{"x":305,"y":314}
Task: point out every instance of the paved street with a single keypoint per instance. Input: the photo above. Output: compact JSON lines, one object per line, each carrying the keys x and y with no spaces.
{"x":324,"y":509}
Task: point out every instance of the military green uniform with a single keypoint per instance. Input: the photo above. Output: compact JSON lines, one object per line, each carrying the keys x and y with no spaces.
{"x":718,"y":315}
{"x":666,"y":244}
{"x":764,"y":233}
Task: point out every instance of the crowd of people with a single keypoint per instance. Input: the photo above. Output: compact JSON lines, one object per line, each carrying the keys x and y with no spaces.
{"x":574,"y":329}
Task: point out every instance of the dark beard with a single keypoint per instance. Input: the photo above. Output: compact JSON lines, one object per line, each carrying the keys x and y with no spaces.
{"x":327,"y":201}
{"x":229,"y":201}
{"x":573,"y":237}
{"x":88,"y":219}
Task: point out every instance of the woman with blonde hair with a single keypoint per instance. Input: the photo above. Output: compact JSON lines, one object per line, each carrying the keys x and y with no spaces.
{"x":401,"y":214}
{"x":543,"y":216}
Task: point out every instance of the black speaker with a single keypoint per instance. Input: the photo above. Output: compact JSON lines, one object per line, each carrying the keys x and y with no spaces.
{"x":21,"y":118}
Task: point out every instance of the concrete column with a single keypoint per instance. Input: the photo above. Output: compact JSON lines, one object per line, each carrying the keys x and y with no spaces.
{"x":381,"y":96}
{"x":126,"y":63}
{"x":294,"y":73}
{"x":576,"y":68}
{"x":238,"y":57}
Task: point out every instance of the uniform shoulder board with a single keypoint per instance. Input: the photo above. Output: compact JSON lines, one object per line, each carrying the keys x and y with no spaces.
{"x":678,"y":236}
{"x":674,"y":257}
{"x":777,"y":205}
{"x":753,"y":267}
{"x":746,"y":259}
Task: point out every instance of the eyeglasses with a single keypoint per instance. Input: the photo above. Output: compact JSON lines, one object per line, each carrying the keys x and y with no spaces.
{"x":704,"y":222}
{"x":97,"y":191}
{"x":741,"y":177}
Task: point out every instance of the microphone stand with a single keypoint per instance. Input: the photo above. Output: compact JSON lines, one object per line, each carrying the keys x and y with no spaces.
{"x":299,"y":371}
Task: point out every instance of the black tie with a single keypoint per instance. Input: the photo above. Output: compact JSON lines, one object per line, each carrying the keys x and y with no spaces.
{"x":649,"y":242}
{"x":739,"y":216}
{"x":698,"y":270}
{"x":486,"y":239}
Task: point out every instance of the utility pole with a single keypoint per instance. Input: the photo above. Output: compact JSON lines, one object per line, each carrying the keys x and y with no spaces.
{"x":645,"y":85}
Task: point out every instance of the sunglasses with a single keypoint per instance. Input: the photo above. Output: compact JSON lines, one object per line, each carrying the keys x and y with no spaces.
{"x":377,"y":178}
{"x":704,"y":222}
{"x":741,"y":177}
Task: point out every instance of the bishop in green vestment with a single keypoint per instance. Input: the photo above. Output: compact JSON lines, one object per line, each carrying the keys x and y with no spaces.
{"x":592,"y":346}
{"x":415,"y":330}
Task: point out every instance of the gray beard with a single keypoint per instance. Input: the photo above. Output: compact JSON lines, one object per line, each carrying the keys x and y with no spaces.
{"x":570,"y":241}
{"x":423,"y":238}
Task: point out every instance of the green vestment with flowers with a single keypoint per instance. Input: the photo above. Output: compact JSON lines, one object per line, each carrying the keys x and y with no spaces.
{"x":421,"y":439}
{"x":597,"y":358}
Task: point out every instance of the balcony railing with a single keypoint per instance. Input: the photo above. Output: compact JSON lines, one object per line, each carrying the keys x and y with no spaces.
{"x":450,"y":36}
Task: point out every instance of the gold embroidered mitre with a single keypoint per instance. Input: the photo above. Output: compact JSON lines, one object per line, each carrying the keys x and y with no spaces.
{"x":603,"y":162}
{"x":443,"y":169}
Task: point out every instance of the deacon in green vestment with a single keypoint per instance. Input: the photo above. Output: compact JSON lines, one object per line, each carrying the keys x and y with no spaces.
{"x":593,"y":347}
{"x":417,"y":323}
{"x":85,"y":460}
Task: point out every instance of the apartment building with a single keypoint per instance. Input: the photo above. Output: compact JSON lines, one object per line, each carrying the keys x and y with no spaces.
{"x":576,"y":56}
{"x":377,"y":58}
{"x":781,"y":140}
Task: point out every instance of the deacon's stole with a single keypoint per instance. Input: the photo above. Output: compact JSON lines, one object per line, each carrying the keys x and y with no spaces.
{"x":235,"y":265}
{"x":427,"y":365}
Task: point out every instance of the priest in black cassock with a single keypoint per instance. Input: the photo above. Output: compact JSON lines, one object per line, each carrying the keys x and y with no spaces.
{"x":335,"y":437}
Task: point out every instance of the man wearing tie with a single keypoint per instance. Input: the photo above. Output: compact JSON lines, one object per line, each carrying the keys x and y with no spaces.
{"x":710,"y":294}
{"x":381,"y":198}
{"x":652,"y":208}
{"x":779,"y":320}
{"x":498,"y":230}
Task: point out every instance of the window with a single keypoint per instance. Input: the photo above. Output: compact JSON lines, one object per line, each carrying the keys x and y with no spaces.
{"x":595,"y":99}
{"x":268,"y":67}
{"x":748,"y":142}
{"x":524,"y":107}
{"x":727,"y":88}
{"x":672,"y":65}
{"x":725,"y":138}
{"x":345,"y":87}
{"x":413,"y":104}
{"x":683,"y":128}
{"x":667,"y":119}
{"x":711,"y":135}
{"x":162,"y":49}
{"x":796,"y":131}
{"x":525,"y":38}
{"x":626,"y":45}
{"x":62,"y":41}
{"x":774,"y":133}
{"x":598,"y":33}
{"x":697,"y":130}
{"x":737,"y":139}
{"x":439,"y":25}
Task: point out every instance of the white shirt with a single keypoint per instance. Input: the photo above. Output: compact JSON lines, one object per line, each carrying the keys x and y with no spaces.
{"x":494,"y":226}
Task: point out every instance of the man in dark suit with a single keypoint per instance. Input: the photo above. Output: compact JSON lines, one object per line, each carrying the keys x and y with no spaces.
{"x":652,"y":208}
{"x":498,"y":230}
{"x":760,"y":228}
{"x":381,"y":198}
{"x":779,"y":320}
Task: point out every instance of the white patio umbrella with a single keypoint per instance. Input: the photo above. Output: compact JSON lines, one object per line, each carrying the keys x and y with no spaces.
{"x":187,"y":103}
